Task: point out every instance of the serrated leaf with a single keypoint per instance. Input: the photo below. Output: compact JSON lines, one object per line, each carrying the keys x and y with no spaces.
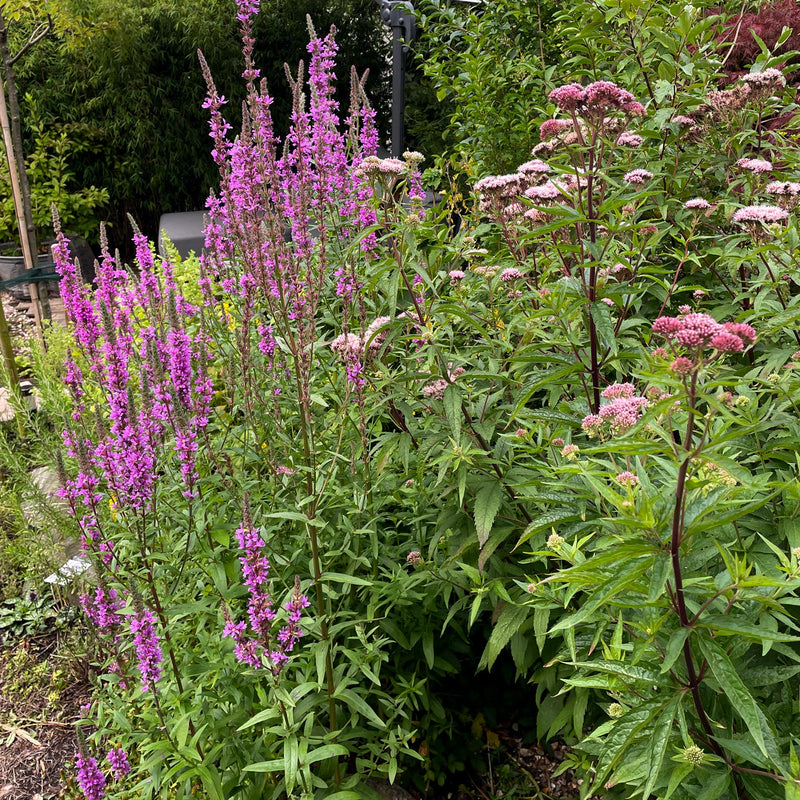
{"x":622,"y":669}
{"x":541,"y":618}
{"x":487,"y":504}
{"x":546,"y":521}
{"x":675,"y":778}
{"x":508,"y":623}
{"x":604,"y":325}
{"x":452,"y":409}
{"x":731,"y":684}
{"x":657,"y":746}
{"x":427,"y":647}
{"x":714,"y":786}
{"x":627,"y":575}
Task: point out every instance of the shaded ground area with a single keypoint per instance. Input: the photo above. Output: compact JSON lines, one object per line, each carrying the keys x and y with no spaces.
{"x":40,"y":699}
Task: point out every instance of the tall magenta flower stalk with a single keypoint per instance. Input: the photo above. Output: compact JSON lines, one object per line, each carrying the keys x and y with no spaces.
{"x":255,"y":644}
{"x":142,"y":359}
{"x":286,"y":223}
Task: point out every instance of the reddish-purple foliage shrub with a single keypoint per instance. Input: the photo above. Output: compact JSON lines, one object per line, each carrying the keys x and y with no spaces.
{"x":766,"y":23}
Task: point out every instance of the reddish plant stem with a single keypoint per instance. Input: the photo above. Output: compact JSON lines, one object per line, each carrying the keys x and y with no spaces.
{"x":679,"y":601}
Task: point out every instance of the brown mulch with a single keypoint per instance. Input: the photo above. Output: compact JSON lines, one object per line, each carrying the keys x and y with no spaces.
{"x":39,"y":704}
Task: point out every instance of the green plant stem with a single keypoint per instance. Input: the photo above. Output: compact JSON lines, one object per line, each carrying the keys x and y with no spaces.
{"x":311,"y":532}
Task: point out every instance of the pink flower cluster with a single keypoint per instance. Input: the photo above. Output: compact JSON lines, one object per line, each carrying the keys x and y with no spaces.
{"x":534,"y":167}
{"x":622,"y":412}
{"x":783,"y":188}
{"x":699,"y":331}
{"x":551,"y":128}
{"x":765,"y":214}
{"x":637,"y":177}
{"x":627,"y":479}
{"x":755,"y":165}
{"x":628,"y":139}
{"x":355,"y":350}
{"x":435,"y":389}
{"x":598,"y":98}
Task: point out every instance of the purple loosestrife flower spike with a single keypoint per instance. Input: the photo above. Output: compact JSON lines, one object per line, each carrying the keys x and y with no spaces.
{"x":90,"y":778}
{"x":148,"y":647}
{"x":118,"y":759}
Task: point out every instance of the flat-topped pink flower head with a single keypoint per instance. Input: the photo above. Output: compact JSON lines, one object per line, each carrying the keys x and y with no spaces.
{"x":551,"y":128}
{"x":534,"y":167}
{"x":617,"y":390}
{"x":637,"y":177}
{"x":568,"y":98}
{"x":634,"y":109}
{"x":605,"y":96}
{"x":765,"y":214}
{"x":755,"y":165}
{"x":628,"y":139}
{"x":547,"y":191}
{"x":502,"y":185}
{"x":702,"y":330}
{"x":790,"y":188}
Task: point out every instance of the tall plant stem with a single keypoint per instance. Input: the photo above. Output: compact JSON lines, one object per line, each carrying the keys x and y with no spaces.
{"x":675,"y":554}
{"x":305,"y":425}
{"x":592,"y":295}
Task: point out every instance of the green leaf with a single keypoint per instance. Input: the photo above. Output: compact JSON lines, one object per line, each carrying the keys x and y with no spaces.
{"x":211,"y":782}
{"x":622,"y":669}
{"x":325,"y":752}
{"x":626,"y":576}
{"x":657,"y":746}
{"x":290,"y":753}
{"x":731,"y":684}
{"x":427,"y":647}
{"x":541,"y":618}
{"x":358,"y":704}
{"x":264,"y":715}
{"x":297,"y":517}
{"x":275,"y":765}
{"x":508,"y":623}
{"x":546,"y":521}
{"x":674,"y":648}
{"x":604,"y":325}
{"x":725,"y":625}
{"x":452,"y":409}
{"x":715,"y":786}
{"x":341,"y":577}
{"x":678,"y":774}
{"x":487,"y":504}
{"x":625,"y":732}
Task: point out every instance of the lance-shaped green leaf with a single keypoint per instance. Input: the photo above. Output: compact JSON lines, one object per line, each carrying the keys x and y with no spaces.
{"x":731,"y":684}
{"x":487,"y":504}
{"x":657,"y":746}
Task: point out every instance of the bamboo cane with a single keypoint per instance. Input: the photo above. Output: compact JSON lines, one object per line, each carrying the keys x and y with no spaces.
{"x":27,"y":254}
{"x":11,"y":368}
